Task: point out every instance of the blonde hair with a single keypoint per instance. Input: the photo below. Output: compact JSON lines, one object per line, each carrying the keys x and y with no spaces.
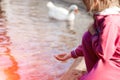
{"x":99,"y":5}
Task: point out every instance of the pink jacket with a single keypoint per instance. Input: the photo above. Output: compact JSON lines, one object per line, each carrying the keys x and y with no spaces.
{"x":103,"y":56}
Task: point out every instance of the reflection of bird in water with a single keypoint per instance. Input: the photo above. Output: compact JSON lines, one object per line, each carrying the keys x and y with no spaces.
{"x":62,"y":14}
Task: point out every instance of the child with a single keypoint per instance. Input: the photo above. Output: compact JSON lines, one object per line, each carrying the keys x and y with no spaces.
{"x":101,"y":43}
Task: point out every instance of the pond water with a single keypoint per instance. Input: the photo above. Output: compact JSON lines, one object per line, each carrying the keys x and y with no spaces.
{"x":30,"y":40}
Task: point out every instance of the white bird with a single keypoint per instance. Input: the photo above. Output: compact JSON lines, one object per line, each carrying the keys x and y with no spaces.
{"x":60,"y":13}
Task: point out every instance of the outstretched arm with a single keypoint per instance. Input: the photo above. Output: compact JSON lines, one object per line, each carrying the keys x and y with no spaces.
{"x":77,"y":52}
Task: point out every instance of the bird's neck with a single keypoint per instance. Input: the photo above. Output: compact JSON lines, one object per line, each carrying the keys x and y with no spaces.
{"x":71,"y":11}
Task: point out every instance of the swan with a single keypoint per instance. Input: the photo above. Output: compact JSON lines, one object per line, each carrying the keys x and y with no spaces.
{"x":60,"y":13}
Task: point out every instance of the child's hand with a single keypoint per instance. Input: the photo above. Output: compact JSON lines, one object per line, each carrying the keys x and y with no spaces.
{"x":63,"y":56}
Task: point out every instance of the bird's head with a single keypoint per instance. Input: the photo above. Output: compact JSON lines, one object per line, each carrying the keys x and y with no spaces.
{"x":73,"y":8}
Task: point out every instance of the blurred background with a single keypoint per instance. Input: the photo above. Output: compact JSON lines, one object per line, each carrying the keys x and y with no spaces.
{"x":34,"y":39}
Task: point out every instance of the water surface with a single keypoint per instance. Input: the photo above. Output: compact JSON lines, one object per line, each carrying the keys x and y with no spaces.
{"x":32,"y":39}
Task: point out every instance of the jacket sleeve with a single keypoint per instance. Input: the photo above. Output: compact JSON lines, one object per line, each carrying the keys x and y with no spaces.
{"x":104,"y":45}
{"x":77,"y":52}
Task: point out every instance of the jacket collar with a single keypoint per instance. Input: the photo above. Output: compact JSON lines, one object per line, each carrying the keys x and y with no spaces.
{"x":111,"y":10}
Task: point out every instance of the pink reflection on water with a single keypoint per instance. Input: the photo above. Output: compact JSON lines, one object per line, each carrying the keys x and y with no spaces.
{"x":10,"y":71}
{"x":8,"y":64}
